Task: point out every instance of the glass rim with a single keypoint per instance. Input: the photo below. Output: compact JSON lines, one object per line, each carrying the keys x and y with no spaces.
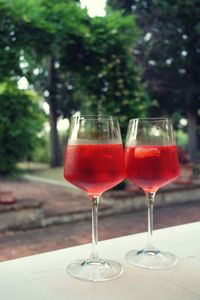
{"x":151,"y":119}
{"x":94,"y":117}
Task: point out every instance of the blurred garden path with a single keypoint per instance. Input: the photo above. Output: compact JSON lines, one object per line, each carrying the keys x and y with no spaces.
{"x":34,"y":241}
{"x":59,"y":200}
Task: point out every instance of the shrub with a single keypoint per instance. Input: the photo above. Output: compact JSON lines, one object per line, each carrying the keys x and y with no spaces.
{"x":20,"y":121}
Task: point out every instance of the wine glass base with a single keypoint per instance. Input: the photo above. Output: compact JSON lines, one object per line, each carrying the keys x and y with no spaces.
{"x":151,"y":259}
{"x":95,"y":270}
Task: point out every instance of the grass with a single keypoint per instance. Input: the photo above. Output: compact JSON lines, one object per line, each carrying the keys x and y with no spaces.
{"x":41,"y":170}
{"x":44,"y":171}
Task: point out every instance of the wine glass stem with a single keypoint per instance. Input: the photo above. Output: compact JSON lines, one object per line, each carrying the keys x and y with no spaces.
{"x":150,"y":202}
{"x":94,"y":206}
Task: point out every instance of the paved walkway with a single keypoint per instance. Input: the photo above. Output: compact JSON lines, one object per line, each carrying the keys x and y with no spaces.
{"x":23,"y":243}
{"x":58,"y":200}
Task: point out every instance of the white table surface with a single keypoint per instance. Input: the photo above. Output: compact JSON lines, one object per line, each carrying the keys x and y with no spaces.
{"x":43,"y":276}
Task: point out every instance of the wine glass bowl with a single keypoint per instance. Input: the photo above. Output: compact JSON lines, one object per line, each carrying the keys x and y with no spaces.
{"x":93,"y":168}
{"x":151,"y":162}
{"x":151,"y":167}
{"x":94,"y":162}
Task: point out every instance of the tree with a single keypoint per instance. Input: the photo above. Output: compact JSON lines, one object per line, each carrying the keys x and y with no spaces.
{"x":109,"y":79}
{"x":20,"y":120}
{"x":93,"y":53}
{"x":20,"y":116}
{"x":169,"y":54}
{"x":9,"y":45}
{"x":51,"y":24}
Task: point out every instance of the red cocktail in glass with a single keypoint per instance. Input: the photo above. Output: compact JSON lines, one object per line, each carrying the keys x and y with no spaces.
{"x":94,"y":168}
{"x":151,"y":167}
{"x":94,"y":162}
{"x":151,"y":162}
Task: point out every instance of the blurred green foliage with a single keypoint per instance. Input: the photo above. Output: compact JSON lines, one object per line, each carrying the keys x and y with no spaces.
{"x":168,"y":52}
{"x":181,"y":138}
{"x":20,"y":120}
{"x":41,"y":153}
{"x":110,"y":78}
{"x":73,"y":61}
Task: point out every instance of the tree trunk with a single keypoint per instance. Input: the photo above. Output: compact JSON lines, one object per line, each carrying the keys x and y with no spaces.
{"x":54,"y":141}
{"x":192,"y":135}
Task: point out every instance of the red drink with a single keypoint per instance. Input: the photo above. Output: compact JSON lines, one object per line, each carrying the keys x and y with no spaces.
{"x":94,"y":168}
{"x":151,"y":167}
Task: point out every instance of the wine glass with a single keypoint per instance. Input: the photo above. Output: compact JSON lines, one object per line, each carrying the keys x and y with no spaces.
{"x":151,"y":161}
{"x":94,"y":162}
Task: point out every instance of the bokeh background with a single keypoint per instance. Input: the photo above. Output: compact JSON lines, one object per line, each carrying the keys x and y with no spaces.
{"x":130,"y":58}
